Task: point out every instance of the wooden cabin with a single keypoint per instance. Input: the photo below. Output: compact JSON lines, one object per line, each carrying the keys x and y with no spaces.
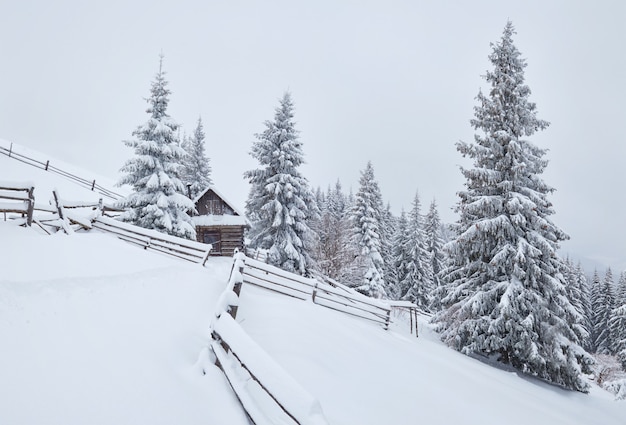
{"x":218,"y":222}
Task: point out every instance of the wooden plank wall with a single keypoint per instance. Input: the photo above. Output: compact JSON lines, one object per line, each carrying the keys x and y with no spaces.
{"x":231,"y":238}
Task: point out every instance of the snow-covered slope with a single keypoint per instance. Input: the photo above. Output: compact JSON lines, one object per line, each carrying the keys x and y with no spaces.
{"x":12,"y":169}
{"x":97,"y":331}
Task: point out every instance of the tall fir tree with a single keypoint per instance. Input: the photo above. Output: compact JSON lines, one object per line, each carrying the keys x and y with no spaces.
{"x":506,"y":296}
{"x":620,"y":289}
{"x":595,"y":310}
{"x":402,"y":258}
{"x":334,"y":253}
{"x":281,"y":204}
{"x":434,"y":245}
{"x":603,"y":303}
{"x":366,"y":216}
{"x":585,"y":293}
{"x":157,"y":201}
{"x":197,"y":171}
{"x":618,"y":321}
{"x":419,"y":278}
{"x":388,"y":229}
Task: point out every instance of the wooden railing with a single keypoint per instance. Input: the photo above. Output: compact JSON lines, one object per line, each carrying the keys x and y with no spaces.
{"x":404,"y":308}
{"x":268,"y":394}
{"x":17,"y":198}
{"x":193,"y":251}
{"x":327,"y":293}
{"x":46,"y":166}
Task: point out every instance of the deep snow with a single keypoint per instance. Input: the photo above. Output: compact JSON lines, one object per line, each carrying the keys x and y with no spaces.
{"x":98,"y":331}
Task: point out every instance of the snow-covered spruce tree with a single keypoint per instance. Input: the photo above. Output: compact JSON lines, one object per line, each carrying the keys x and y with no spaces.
{"x":281,"y":203}
{"x":334,"y":253}
{"x":419,"y":278}
{"x":585,"y":289}
{"x":157,"y":201}
{"x":366,"y":216}
{"x":197,"y":171}
{"x":575,"y":289}
{"x":596,"y":309}
{"x":388,"y":229}
{"x":617,"y":323}
{"x":402,"y":258}
{"x":583,"y":304}
{"x":506,"y":296}
{"x":434,"y":245}
{"x":603,"y":303}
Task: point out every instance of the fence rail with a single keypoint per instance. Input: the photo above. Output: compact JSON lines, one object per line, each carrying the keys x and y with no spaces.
{"x":268,"y":394}
{"x":46,"y":166}
{"x":195,"y":252}
{"x":326,"y":293}
{"x":17,"y":198}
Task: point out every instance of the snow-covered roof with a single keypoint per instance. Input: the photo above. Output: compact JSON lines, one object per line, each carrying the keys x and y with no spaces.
{"x":219,"y":220}
{"x":221,"y":195}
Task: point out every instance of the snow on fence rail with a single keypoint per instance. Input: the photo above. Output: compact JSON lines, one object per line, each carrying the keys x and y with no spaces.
{"x":268,"y":394}
{"x":324,"y":292}
{"x":193,"y":251}
{"x":46,"y":166}
{"x":17,"y":198}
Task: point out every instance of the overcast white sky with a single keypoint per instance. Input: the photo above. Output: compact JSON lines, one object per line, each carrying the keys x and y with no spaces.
{"x":389,"y":81}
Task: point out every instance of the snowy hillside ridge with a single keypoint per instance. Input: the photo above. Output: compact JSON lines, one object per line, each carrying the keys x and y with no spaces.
{"x":78,"y":176}
{"x":105,"y":333}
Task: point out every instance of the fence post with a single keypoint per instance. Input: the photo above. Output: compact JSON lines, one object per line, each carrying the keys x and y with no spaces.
{"x":10,"y":149}
{"x":65,"y":223}
{"x":388,"y":319}
{"x":31,"y":206}
{"x":93,"y":185}
{"x":236,"y":280}
{"x":47,"y":164}
{"x":314,"y":294}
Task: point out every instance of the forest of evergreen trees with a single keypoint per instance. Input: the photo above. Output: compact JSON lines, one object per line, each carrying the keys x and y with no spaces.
{"x":494,"y":280}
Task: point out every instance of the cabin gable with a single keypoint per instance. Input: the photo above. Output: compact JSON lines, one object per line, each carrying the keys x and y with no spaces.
{"x":210,"y":203}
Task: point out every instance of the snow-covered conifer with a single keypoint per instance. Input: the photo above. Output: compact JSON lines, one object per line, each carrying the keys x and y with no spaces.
{"x":419,"y":278}
{"x":335,"y":254}
{"x":402,"y":258}
{"x":603,"y":303}
{"x":434,"y":245}
{"x":582,"y":283}
{"x":620,"y":289}
{"x":618,"y":321}
{"x":366,"y":216}
{"x":197,"y":169}
{"x":158,"y":200}
{"x":281,"y":203}
{"x":388,"y":229}
{"x":506,"y":296}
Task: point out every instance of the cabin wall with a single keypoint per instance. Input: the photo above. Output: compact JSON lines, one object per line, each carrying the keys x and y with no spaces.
{"x":225,"y":239}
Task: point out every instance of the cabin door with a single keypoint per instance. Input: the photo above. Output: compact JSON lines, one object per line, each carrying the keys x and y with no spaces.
{"x":214,"y":238}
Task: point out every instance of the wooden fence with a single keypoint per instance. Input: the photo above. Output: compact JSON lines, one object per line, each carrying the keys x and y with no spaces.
{"x":327,"y":293}
{"x":17,"y":198}
{"x":268,"y":394}
{"x":46,"y":166}
{"x":193,"y":251}
{"x":404,"y":308}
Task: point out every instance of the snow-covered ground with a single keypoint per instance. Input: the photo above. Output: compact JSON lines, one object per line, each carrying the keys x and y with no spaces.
{"x":98,"y":331}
